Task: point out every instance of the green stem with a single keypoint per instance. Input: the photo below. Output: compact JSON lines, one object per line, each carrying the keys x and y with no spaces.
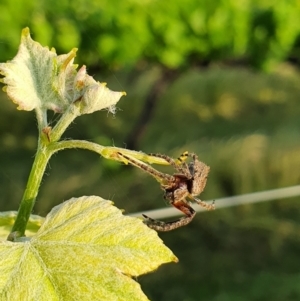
{"x":94,"y":147}
{"x":41,"y":116}
{"x":108,"y":152}
{"x":44,"y":152}
{"x":71,"y":113}
{"x":45,"y":149}
{"x":35,"y":177}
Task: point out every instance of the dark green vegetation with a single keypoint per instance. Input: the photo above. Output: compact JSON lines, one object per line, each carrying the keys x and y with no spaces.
{"x":173,"y":33}
{"x":249,"y":252}
{"x":243,"y":123}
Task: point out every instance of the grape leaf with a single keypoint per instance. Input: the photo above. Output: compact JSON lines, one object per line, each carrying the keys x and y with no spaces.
{"x":37,"y":78}
{"x":85,"y":250}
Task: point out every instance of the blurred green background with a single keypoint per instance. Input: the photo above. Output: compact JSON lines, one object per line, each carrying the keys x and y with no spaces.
{"x":219,"y":78}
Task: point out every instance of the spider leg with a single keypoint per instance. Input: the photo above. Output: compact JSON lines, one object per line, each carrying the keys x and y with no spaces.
{"x":159,"y":176}
{"x":178,"y":164}
{"x":182,"y":158}
{"x":170,"y":160}
{"x":168,"y":226}
{"x":192,"y":165}
{"x":203,"y":204}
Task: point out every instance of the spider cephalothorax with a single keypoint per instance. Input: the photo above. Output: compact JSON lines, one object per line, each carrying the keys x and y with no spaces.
{"x":188,"y":181}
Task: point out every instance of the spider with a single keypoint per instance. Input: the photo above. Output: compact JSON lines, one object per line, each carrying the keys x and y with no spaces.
{"x":188,"y":181}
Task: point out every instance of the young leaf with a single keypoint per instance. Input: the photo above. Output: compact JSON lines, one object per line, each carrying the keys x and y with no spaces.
{"x":33,"y":76}
{"x":96,"y":95}
{"x":85,"y":250}
{"x":37,"y":78}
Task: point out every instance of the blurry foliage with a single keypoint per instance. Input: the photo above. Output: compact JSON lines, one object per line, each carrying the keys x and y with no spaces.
{"x":172,"y":33}
{"x":244,"y":253}
{"x":244,"y":124}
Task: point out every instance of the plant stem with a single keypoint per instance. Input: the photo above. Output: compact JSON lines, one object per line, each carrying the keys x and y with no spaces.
{"x":37,"y":171}
{"x":44,"y":152}
{"x":41,"y":116}
{"x":42,"y":157}
{"x":108,"y":152}
{"x":60,"y":145}
{"x":71,"y":113}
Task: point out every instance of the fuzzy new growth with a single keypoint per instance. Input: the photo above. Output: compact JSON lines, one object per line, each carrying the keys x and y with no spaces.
{"x":188,"y":182}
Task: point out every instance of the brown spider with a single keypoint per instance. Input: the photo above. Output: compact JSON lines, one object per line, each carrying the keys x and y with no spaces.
{"x":188,"y":181}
